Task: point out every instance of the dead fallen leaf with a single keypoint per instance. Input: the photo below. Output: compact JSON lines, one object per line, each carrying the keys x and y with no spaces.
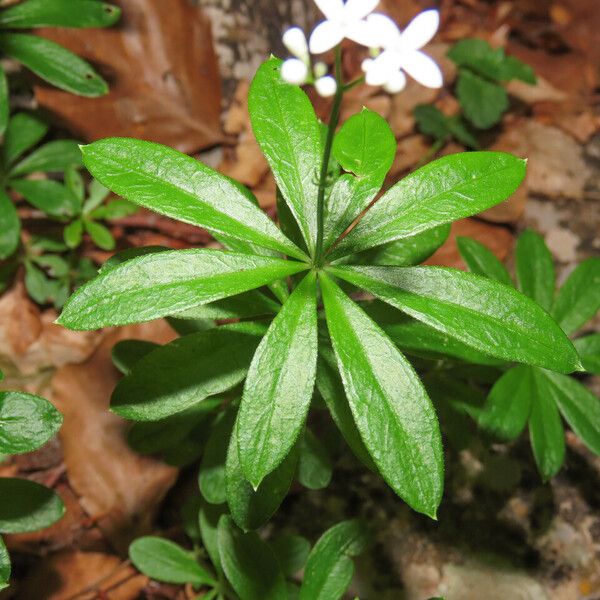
{"x":83,"y":576}
{"x":245,"y":163}
{"x":165,"y":84}
{"x":498,"y":239}
{"x":118,"y":488}
{"x":409,"y":152}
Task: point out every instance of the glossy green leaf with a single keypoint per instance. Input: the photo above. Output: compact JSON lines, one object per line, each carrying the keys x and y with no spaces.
{"x":27,"y":506}
{"x":545,"y":428}
{"x":24,"y":131}
{"x":490,"y":317}
{"x":4,"y":566}
{"x":180,"y":187}
{"x":38,"y":286}
{"x":127,"y":353}
{"x":73,"y":233}
{"x":117,"y":209}
{"x":451,"y":188}
{"x":291,"y":551}
{"x":314,"y":463}
{"x":52,"y":157}
{"x":331,"y":388}
{"x":433,"y":122}
{"x":508,"y":404}
{"x":390,"y":406}
{"x":97,"y":194}
{"x":26,"y":422}
{"x":286,"y":128}
{"x":479,"y":56}
{"x":579,"y":297}
{"x":419,"y":339}
{"x":250,"y":564}
{"x":579,"y":407}
{"x":279,"y":385}
{"x":59,"y":13}
{"x":365,"y":147}
{"x":589,"y":350}
{"x":54,"y":64}
{"x":208,"y":521}
{"x":165,"y":283}
{"x":10,"y":226}
{"x":51,"y":197}
{"x":329,"y":568}
{"x":250,"y":508}
{"x":75,"y":183}
{"x":166,"y":561}
{"x":535,"y":268}
{"x":189,"y":369}
{"x":482,"y":261}
{"x":483,"y":102}
{"x":101,"y":236}
{"x":4,"y":116}
{"x":211,"y":477}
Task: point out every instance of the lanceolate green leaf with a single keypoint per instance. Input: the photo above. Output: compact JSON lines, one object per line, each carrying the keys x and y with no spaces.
{"x":54,"y":64}
{"x":314,"y":463}
{"x":545,"y":428}
{"x":491,"y":317}
{"x":51,"y":197}
{"x":180,"y":187}
{"x":51,"y":157}
{"x":482,"y":261}
{"x":390,"y":406}
{"x":579,"y":407}
{"x":445,"y":190}
{"x":589,"y":351}
{"x":251,"y":508}
{"x":24,"y":131}
{"x":535,"y":268}
{"x":165,"y":283}
{"x":26,"y":422}
{"x":483,"y":101}
{"x":279,"y":385}
{"x":10,"y":226}
{"x":364,"y":146}
{"x":250,"y":564}
{"x":509,"y":403}
{"x":59,"y":13}
{"x":329,"y":568}
{"x":4,"y":565}
{"x":579,"y":298}
{"x":166,"y":561}
{"x":286,"y":127}
{"x":27,"y":506}
{"x":173,"y":377}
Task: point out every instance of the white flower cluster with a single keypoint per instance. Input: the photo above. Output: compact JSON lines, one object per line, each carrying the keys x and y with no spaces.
{"x":394,"y":52}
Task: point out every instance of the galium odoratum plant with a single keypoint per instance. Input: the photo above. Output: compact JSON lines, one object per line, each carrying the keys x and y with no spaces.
{"x":528,"y":395}
{"x":310,"y":271}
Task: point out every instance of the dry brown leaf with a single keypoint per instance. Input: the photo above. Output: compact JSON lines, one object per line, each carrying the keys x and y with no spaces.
{"x":163,"y":73}
{"x":409,"y":152}
{"x":83,"y":576}
{"x":246,"y":162}
{"x":118,"y":488}
{"x":498,"y":239}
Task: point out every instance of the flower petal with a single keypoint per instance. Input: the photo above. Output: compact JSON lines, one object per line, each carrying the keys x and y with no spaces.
{"x":295,"y":41}
{"x":332,"y":9}
{"x":293,"y":70}
{"x":359,"y":9}
{"x":362,"y":33}
{"x":381,"y":69}
{"x":327,"y":35}
{"x":423,"y":69}
{"x":396,"y":83}
{"x":385,"y":31}
{"x":421,"y":29}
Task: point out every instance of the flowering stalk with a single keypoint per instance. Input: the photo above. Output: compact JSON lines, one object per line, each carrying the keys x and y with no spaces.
{"x":331,"y":127}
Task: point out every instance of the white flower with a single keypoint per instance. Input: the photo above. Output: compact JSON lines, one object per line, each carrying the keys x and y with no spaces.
{"x":295,"y":70}
{"x":344,"y":20}
{"x":402,"y":52}
{"x":326,"y":86}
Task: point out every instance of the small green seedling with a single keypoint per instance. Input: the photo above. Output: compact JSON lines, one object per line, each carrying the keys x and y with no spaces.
{"x":534,"y":396}
{"x":27,"y":422}
{"x":229,"y":564}
{"x":300,"y":334}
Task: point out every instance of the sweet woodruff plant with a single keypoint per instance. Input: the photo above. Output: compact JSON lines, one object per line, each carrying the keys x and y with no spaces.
{"x":298,"y":331}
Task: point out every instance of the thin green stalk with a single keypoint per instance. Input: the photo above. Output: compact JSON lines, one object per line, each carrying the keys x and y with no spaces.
{"x":333,"y":122}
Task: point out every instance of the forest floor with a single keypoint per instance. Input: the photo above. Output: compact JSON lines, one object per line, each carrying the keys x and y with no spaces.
{"x":502,"y":534}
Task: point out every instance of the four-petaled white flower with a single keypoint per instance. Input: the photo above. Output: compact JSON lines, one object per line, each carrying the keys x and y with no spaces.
{"x":344,"y":20}
{"x":402,"y":52}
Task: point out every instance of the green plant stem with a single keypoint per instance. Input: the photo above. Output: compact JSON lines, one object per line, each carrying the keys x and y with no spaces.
{"x":333,"y":122}
{"x":437,"y":146}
